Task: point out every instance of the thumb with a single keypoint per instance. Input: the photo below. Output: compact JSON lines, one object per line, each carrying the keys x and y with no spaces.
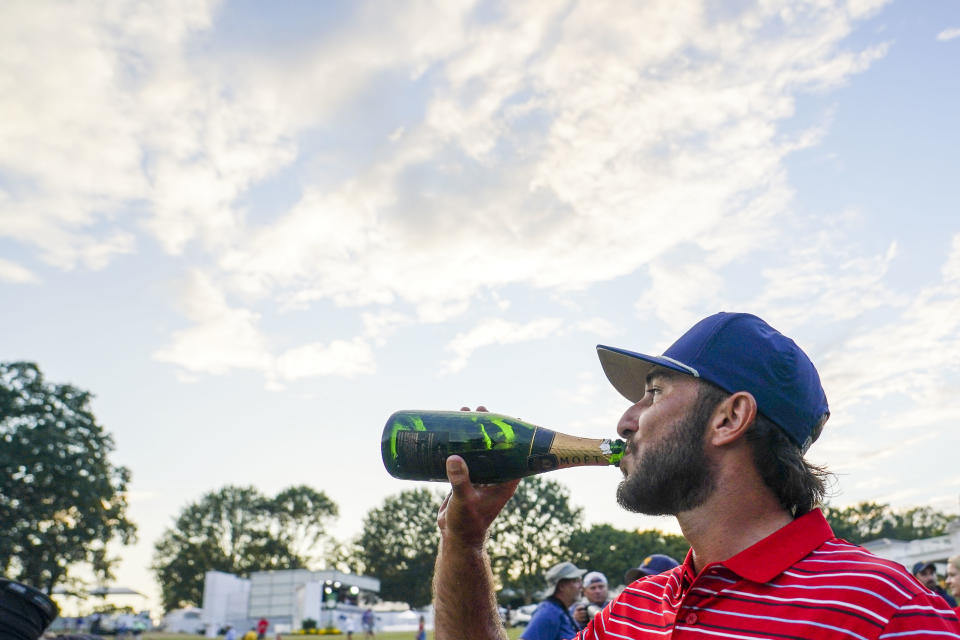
{"x":457,"y":472}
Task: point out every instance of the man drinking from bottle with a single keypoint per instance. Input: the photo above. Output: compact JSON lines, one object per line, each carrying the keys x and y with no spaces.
{"x":716,"y":436}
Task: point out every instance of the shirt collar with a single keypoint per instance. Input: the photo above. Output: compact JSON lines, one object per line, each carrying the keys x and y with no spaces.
{"x":768,"y":558}
{"x":764,"y":560}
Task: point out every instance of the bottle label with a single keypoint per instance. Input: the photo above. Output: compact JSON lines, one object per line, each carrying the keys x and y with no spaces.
{"x":542,"y":462}
{"x":572,"y":451}
{"x":423,"y":452}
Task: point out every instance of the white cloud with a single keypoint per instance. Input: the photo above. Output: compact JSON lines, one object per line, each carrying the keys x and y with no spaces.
{"x":917,"y":352}
{"x":864,"y":8}
{"x":596,"y":326}
{"x":680,"y":288}
{"x":222,"y":338}
{"x":225,"y":337}
{"x":588,"y":384}
{"x":951,"y":268}
{"x":825,"y":279}
{"x":80,"y":119}
{"x":545,"y":146}
{"x":560,"y":139}
{"x":379,"y":326}
{"x":496,"y":331}
{"x":15,"y":273}
{"x":949,"y":34}
{"x":341,"y":358}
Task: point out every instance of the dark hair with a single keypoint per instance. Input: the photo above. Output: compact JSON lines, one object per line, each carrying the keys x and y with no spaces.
{"x":798,"y":485}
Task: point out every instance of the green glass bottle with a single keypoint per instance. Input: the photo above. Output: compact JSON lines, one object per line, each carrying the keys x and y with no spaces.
{"x":496,"y":448}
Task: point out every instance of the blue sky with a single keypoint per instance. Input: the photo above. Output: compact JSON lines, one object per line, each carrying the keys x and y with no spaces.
{"x":254,"y":232}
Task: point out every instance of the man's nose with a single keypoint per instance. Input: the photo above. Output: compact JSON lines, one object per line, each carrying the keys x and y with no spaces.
{"x":629,"y":421}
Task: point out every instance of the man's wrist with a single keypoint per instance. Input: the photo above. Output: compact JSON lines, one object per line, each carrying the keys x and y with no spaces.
{"x":461,"y":545}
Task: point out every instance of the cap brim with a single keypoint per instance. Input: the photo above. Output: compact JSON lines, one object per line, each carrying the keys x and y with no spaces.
{"x":627,"y":370}
{"x":552,"y":588}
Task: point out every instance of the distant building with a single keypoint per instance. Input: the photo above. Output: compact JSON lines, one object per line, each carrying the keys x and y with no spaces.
{"x":908,"y":552}
{"x":285,"y":598}
{"x":187,"y":620}
{"x":225,"y":601}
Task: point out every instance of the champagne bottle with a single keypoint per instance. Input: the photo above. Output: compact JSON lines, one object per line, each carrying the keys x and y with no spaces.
{"x":496,"y":448}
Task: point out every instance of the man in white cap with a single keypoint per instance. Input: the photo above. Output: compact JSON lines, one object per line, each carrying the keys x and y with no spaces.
{"x":552,"y":620}
{"x":595,"y":597}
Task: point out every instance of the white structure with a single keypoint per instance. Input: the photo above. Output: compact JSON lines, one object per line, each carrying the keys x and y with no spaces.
{"x":188,"y":620}
{"x":909,"y":552}
{"x":285,"y":598}
{"x":225,"y":598}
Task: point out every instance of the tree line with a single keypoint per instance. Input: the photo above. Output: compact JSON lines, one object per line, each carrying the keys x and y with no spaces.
{"x":238,"y":530}
{"x":62,"y":502}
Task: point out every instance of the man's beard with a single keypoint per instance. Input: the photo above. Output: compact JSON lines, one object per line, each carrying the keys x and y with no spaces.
{"x":675,"y":474}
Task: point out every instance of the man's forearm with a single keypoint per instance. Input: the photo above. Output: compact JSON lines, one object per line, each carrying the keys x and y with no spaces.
{"x":465,"y":606}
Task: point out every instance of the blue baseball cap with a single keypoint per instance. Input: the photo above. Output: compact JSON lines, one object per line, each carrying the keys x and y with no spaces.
{"x":736,"y":352}
{"x":651,"y":566}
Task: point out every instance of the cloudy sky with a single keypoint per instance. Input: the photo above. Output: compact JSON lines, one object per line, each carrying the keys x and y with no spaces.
{"x":255,"y":230}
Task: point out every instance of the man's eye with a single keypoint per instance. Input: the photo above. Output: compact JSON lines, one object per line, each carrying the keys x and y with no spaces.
{"x":653,"y":391}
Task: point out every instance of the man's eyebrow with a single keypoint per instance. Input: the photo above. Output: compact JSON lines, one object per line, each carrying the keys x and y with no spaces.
{"x":660,"y":373}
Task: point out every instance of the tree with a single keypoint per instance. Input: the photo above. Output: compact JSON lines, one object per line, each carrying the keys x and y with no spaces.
{"x":237,"y":530}
{"x":533,"y":532}
{"x":870,"y":520}
{"x":613,"y":551}
{"x":61,"y":499}
{"x":302,"y":514}
{"x":398,"y":545}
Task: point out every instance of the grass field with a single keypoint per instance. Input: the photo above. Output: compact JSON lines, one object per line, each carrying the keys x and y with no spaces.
{"x":396,"y":635}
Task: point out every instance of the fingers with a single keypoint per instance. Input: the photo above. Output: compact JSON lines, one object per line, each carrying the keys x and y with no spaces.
{"x":479,"y":408}
{"x":505,"y":490}
{"x":442,"y":513}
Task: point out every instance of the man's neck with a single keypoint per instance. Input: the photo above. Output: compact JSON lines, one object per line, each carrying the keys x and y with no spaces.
{"x":566,"y":602}
{"x":737,"y":515}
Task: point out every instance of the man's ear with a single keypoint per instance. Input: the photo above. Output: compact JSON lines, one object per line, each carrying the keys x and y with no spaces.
{"x":732,"y":417}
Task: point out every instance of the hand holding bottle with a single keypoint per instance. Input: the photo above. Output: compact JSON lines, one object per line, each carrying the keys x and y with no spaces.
{"x":468,"y":510}
{"x":466,"y":609}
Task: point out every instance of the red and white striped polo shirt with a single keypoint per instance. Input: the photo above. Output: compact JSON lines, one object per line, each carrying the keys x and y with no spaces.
{"x":799,"y":582}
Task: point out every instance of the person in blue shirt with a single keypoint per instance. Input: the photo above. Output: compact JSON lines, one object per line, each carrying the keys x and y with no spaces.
{"x":552,"y":619}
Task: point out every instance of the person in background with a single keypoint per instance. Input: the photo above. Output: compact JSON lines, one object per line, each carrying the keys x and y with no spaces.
{"x":123,"y":628}
{"x":953,"y":578}
{"x":552,"y":619}
{"x":926,"y":574}
{"x":250,"y":635}
{"x":262,"y":626}
{"x":367,"y":621}
{"x":422,"y":629}
{"x":651,"y":566}
{"x":716,"y":435}
{"x":231,"y":633}
{"x":596,"y":596}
